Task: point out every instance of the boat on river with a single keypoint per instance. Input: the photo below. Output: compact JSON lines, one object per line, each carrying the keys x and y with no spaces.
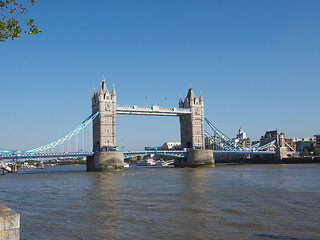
{"x":161,"y":163}
{"x":146,"y":162}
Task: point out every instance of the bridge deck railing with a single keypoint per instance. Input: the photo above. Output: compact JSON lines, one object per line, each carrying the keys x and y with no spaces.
{"x":125,"y":109}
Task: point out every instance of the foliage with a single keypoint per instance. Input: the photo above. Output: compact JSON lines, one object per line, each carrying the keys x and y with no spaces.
{"x":316,"y":151}
{"x":11,"y":11}
{"x":305,"y":152}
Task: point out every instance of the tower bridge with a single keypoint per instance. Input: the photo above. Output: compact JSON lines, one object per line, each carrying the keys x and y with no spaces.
{"x":193,"y":137}
{"x":190,"y":113}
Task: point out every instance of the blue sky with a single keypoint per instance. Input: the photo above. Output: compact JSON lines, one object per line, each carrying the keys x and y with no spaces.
{"x":256,"y":62}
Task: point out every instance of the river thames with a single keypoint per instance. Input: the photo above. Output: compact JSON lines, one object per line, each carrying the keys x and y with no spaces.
{"x":225,"y":202}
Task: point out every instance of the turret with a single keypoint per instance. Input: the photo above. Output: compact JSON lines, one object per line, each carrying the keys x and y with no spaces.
{"x":281,"y":140}
{"x":201,"y":98}
{"x":191,"y":96}
{"x":113,"y":94}
{"x":94,"y":93}
{"x":180,"y":102}
{"x":114,"y":98}
{"x":104,"y":86}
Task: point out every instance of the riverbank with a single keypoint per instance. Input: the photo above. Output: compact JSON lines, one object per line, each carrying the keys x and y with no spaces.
{"x":9,"y":224}
{"x":243,"y":160}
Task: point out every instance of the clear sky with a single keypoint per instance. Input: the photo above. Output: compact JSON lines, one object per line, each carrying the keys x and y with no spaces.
{"x":257,"y":64}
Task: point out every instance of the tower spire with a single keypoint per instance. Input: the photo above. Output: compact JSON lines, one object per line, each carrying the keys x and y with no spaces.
{"x":113,"y":90}
{"x":101,"y":89}
{"x":104,"y":86}
{"x":190,"y":94}
{"x":180,"y":102}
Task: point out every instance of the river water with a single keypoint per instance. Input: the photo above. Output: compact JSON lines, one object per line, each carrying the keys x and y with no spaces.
{"x":225,"y":202}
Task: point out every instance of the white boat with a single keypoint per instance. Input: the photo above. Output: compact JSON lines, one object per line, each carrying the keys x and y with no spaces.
{"x":161,"y":163}
{"x":126,"y":165}
{"x":146,"y":162}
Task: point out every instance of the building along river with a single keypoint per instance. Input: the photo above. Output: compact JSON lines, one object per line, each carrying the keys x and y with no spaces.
{"x":226,"y":202}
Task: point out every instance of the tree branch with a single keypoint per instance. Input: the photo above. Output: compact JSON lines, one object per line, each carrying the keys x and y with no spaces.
{"x":10,"y":10}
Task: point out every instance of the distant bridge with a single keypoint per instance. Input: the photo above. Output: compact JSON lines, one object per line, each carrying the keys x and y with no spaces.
{"x":193,"y":135}
{"x":225,"y":144}
{"x":127,"y":154}
{"x":219,"y":140}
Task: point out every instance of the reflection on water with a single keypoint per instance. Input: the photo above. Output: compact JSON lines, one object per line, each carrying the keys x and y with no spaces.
{"x":234,"y":202}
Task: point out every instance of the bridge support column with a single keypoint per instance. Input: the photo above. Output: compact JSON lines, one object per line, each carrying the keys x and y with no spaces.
{"x":106,"y":161}
{"x":196,"y":158}
{"x":281,"y":152}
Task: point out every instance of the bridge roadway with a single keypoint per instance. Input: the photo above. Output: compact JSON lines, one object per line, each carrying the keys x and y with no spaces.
{"x":154,"y":110}
{"x":127,"y":154}
{"x":45,"y":155}
{"x":244,"y":152}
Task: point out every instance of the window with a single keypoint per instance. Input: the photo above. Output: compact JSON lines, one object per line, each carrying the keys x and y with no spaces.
{"x":107,"y":119}
{"x":108,"y":130}
{"x":107,"y":107}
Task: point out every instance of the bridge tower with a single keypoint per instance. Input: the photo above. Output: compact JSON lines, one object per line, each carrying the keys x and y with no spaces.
{"x":104,"y":125}
{"x":192,"y":133}
{"x":106,"y":157}
{"x":192,"y":125}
